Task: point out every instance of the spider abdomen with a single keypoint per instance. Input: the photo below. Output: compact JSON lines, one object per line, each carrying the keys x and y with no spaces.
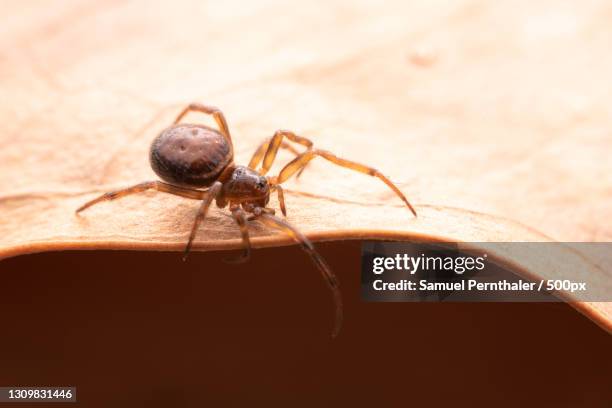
{"x":190,"y":155}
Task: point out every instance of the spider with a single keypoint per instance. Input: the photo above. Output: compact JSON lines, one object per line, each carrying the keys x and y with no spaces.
{"x":196,"y":161}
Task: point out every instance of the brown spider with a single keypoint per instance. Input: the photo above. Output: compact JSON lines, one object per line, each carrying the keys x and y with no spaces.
{"x":192,"y":157}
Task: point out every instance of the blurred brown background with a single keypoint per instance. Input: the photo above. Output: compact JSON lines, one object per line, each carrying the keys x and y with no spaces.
{"x":135,"y":329}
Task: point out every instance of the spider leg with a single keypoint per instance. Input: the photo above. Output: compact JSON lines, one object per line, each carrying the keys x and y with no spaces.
{"x":149,"y":185}
{"x":259,"y":211}
{"x":328,"y":275}
{"x":263,"y":147}
{"x":276,"y":142}
{"x":281,"y":198}
{"x":209,"y":110}
{"x":208,"y":199}
{"x":239,"y":216}
{"x":303,"y":159}
{"x":280,"y":193}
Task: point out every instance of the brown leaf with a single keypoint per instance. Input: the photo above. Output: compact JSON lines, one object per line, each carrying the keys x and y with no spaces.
{"x":493,"y":118}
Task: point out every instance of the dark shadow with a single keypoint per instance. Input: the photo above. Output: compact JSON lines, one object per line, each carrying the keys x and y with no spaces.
{"x":146,"y":329}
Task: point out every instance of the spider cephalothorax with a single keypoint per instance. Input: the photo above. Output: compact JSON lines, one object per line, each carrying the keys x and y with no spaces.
{"x":196,"y":161}
{"x":245,"y":185}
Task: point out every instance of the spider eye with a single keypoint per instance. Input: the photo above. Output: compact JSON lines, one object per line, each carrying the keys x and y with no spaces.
{"x":261,"y":184}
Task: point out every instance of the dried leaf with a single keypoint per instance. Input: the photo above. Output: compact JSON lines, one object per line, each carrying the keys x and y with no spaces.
{"x":493,"y":118}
